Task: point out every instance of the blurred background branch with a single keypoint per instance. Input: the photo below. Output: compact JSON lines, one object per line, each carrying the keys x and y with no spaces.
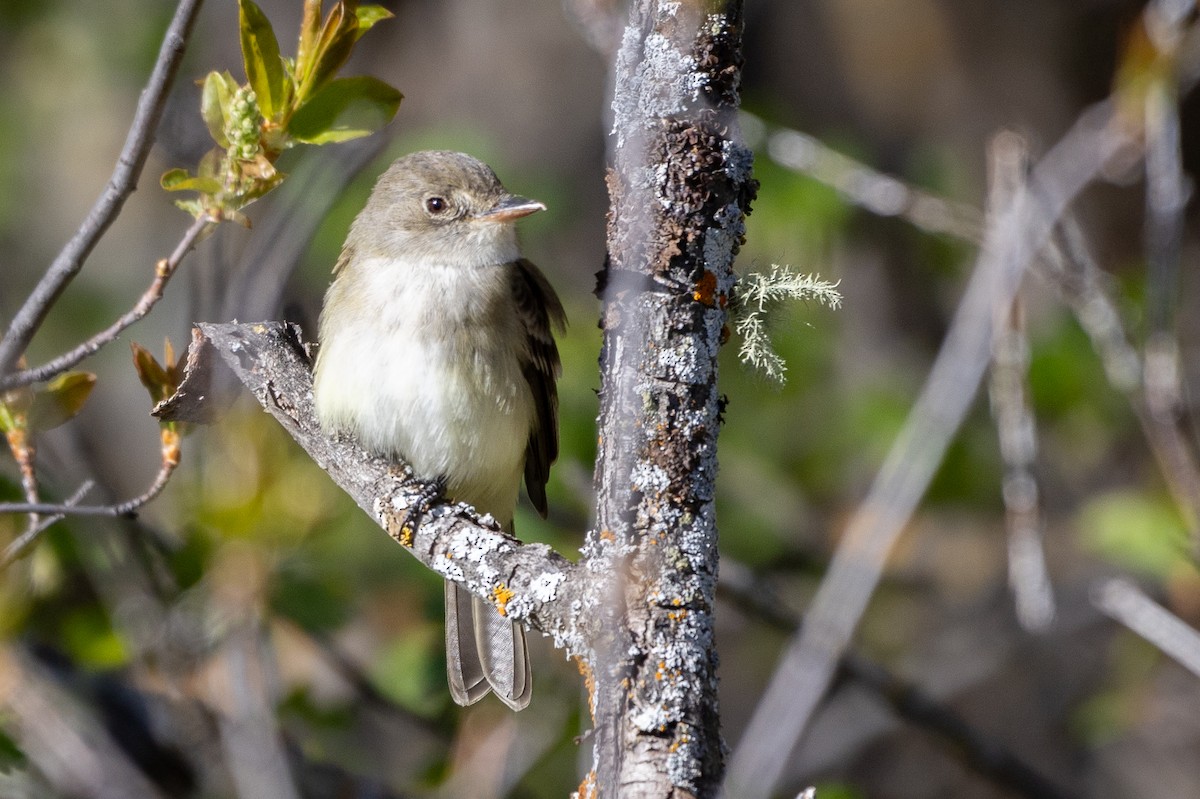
{"x":870,"y":123}
{"x":122,"y":183}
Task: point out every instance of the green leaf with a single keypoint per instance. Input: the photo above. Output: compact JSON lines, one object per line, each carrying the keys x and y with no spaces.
{"x":1137,"y":531}
{"x":345,"y":109}
{"x":9,"y":419}
{"x":260,"y":55}
{"x":336,"y":42}
{"x":212,"y":164}
{"x":173,"y":177}
{"x":181,"y":180}
{"x":214,"y":100}
{"x":152,"y":375}
{"x":61,"y":400}
{"x":194,"y":208}
{"x":368,"y":16}
{"x":310,"y":33}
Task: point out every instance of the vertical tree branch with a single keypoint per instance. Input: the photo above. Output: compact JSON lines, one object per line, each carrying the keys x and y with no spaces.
{"x":108,"y":205}
{"x":680,"y":186}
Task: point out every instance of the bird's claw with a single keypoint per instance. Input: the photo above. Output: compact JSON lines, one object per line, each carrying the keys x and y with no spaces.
{"x":432,"y":493}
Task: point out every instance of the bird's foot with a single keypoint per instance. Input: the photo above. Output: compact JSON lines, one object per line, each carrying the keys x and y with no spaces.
{"x":432,"y":493}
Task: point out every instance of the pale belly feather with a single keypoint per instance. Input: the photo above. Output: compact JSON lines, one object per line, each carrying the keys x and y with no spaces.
{"x":454,"y":403}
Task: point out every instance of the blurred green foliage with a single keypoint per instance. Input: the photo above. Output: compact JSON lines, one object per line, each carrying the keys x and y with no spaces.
{"x":795,"y":460}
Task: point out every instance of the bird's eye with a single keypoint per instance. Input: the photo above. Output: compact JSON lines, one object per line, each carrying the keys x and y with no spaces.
{"x":436,"y":205}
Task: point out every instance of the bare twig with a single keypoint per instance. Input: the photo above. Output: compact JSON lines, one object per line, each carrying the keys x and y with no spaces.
{"x":863,"y":186}
{"x":242,"y":686}
{"x":986,"y":755}
{"x":127,"y":508}
{"x":1125,"y":602}
{"x":62,"y":739}
{"x":122,"y":183}
{"x":1014,"y":236}
{"x":21,"y":543}
{"x":25,"y":452}
{"x":1027,"y":573}
{"x":1065,"y":263}
{"x":1071,"y":268}
{"x":163,"y":271}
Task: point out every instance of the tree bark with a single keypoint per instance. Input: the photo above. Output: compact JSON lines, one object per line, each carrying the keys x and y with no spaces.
{"x":680,"y":184}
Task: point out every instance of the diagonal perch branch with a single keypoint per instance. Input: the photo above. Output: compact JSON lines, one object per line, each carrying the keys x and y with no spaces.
{"x":530,"y":583}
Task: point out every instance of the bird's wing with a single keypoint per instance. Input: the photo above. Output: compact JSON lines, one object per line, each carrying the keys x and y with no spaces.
{"x":541,"y":313}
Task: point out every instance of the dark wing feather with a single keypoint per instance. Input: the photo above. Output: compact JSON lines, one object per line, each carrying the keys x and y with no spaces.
{"x":541,"y":313}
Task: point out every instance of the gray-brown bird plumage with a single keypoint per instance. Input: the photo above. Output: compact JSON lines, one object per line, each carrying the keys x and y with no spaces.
{"x":437,"y":347}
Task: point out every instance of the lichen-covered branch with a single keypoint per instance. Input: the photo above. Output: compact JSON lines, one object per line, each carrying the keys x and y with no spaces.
{"x":680,"y":186}
{"x":529,"y":582}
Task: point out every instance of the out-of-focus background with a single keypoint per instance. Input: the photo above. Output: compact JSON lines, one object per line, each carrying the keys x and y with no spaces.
{"x":252,"y":593}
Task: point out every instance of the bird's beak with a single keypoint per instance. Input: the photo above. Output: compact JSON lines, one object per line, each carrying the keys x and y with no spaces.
{"x":509,"y":208}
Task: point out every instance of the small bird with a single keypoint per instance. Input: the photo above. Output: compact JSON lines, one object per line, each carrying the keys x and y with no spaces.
{"x":437,"y":348}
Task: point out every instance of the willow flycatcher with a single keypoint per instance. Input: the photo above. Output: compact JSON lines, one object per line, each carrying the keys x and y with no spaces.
{"x":436,"y":347}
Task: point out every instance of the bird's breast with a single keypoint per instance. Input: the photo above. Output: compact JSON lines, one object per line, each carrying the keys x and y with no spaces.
{"x":430,"y":371}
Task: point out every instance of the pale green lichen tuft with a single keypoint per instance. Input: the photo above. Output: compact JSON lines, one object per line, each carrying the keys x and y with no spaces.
{"x":758,"y":293}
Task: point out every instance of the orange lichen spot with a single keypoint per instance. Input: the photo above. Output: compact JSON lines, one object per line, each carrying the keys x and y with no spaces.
{"x":587,"y":788}
{"x":502,"y":594}
{"x":706,"y":289}
{"x":607,"y":535}
{"x":589,"y":682}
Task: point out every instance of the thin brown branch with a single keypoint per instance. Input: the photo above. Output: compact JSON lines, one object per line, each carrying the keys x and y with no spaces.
{"x":163,"y":271}
{"x":18,"y":546}
{"x":128,"y":508}
{"x":24,"y":453}
{"x":122,"y":183}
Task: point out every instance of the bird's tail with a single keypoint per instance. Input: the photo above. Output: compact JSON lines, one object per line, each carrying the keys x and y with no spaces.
{"x":484,"y":651}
